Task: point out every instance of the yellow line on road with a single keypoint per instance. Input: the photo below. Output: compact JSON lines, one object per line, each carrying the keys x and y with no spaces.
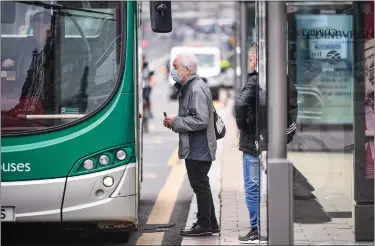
{"x":173,"y":160}
{"x":167,"y":197}
{"x":163,"y":207}
{"x":158,"y":140}
{"x":218,"y":104}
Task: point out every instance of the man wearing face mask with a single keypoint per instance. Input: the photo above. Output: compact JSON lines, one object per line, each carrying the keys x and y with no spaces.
{"x":197,"y":145}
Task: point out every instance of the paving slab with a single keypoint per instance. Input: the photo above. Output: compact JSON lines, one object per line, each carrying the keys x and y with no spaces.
{"x":315,"y":219}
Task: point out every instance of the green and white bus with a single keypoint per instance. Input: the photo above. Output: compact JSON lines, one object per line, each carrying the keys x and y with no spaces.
{"x":71,"y":136}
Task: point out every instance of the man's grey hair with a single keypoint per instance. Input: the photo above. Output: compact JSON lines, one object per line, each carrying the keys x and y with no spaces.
{"x":253,"y":49}
{"x":189,"y":60}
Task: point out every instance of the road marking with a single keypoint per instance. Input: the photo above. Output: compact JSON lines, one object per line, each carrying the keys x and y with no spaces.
{"x":158,"y":140}
{"x":148,"y":175}
{"x":164,"y":204}
{"x":174,"y":160}
{"x":218,"y":104}
{"x":167,"y":197}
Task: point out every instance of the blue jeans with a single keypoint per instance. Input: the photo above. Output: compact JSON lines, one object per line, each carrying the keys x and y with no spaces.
{"x":251,"y":177}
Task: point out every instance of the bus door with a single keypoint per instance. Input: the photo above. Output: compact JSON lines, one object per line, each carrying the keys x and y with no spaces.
{"x":138,"y":113}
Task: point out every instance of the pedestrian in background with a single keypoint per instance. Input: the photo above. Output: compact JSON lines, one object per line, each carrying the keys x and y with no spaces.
{"x":251,"y":113}
{"x":197,"y":139}
{"x":245,"y":110}
{"x":149,"y":81}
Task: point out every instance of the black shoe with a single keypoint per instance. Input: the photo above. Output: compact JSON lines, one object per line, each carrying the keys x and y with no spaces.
{"x":215,"y":228}
{"x":250,"y":238}
{"x":196,"y":231}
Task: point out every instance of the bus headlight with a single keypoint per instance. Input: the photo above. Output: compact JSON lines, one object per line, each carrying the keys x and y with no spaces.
{"x":121,"y":155}
{"x":108,"y":181}
{"x":88,"y":164}
{"x":104,"y":160}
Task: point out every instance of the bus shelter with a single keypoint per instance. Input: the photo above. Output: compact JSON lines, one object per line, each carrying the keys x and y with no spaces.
{"x":326,"y":174}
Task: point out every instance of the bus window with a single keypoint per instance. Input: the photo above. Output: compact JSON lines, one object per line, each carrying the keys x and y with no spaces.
{"x":90,"y":23}
{"x":21,"y":26}
{"x":49,"y":79}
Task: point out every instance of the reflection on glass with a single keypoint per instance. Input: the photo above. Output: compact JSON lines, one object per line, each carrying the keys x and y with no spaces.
{"x":50,"y":77}
{"x":320,"y":39}
{"x":259,"y":35}
{"x":90,"y":23}
{"x":324,"y":68}
{"x":369,"y":90}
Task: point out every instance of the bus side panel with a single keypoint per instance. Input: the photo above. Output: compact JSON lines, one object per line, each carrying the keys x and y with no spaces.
{"x":87,"y":199}
{"x":52,"y":155}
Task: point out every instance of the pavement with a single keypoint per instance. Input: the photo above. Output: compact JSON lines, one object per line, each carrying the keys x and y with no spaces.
{"x":324,"y":218}
{"x":165,"y":193}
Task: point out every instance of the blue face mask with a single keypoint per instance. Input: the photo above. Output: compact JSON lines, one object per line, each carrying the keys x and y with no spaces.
{"x":175,"y":76}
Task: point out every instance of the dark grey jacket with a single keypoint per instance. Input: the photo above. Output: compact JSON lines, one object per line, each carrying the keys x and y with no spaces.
{"x":195,"y":116}
{"x":251,"y":115}
{"x":245,"y":110}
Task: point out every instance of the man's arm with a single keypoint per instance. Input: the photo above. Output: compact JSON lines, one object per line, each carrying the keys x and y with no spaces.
{"x":244,"y":102}
{"x":198,"y":117}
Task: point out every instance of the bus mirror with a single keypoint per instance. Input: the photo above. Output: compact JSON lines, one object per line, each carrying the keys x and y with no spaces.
{"x":8,"y":12}
{"x":161,"y":16}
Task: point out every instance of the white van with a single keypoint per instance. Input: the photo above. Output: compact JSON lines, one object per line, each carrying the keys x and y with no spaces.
{"x":208,"y":67}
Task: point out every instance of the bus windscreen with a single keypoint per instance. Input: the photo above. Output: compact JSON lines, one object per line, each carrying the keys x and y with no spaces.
{"x":58,"y":64}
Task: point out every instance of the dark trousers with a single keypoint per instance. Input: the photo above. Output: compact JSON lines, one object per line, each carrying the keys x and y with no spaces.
{"x":198,"y":176}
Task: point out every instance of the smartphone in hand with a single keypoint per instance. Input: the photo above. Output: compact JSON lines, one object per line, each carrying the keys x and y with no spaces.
{"x":165,"y":115}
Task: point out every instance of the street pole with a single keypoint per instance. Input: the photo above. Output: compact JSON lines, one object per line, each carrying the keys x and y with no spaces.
{"x":237,"y":48}
{"x":280,"y":192}
{"x":243,"y":43}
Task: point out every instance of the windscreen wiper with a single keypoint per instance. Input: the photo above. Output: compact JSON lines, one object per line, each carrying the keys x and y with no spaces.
{"x":60,"y":7}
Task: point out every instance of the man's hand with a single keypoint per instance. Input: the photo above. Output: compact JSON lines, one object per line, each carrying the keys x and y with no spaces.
{"x":168,"y":122}
{"x":7,"y":63}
